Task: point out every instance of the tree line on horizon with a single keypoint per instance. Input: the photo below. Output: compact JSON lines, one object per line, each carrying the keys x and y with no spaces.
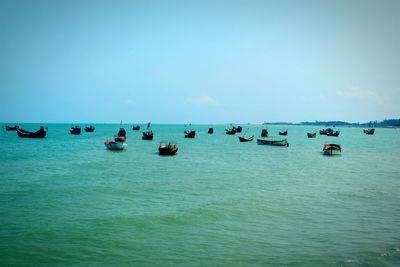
{"x":383,"y":123}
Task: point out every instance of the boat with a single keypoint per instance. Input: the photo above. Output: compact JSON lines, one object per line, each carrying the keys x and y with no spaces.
{"x":239,"y":129}
{"x":148,"y":134}
{"x":231,"y":130}
{"x":75,"y":129}
{"x":136,"y":127}
{"x":369,"y":131}
{"x":244,"y":139}
{"x":9,"y":128}
{"x":167,"y":148}
{"x":264,"y":133}
{"x":331,"y":149}
{"x":190,"y":134}
{"x":210,"y":130}
{"x":333,"y":133}
{"x":325,"y":131}
{"x":89,"y":129}
{"x":312,"y":135}
{"x":283,"y":133}
{"x":273,"y":142}
{"x":119,"y":142}
{"x":41,"y":133}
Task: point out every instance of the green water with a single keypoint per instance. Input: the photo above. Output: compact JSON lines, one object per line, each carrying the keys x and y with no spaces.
{"x":66,"y":200}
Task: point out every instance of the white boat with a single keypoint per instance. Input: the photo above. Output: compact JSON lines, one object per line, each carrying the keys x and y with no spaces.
{"x":331,"y":149}
{"x":273,"y":142}
{"x":115,"y":145}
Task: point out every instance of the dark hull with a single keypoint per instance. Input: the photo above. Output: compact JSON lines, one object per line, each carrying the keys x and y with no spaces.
{"x":147,"y":136}
{"x":334,"y":134}
{"x":230,"y":132}
{"x":190,"y":134}
{"x":26,"y":134}
{"x":311,"y":135}
{"x":75,"y":131}
{"x":239,"y":129}
{"x":243,"y":139}
{"x":136,"y":128}
{"x":264,"y":133}
{"x":369,"y":131}
{"x":283,"y":133}
{"x":89,"y":129}
{"x":210,"y":130}
{"x":272,"y":142}
{"x":165,"y":151}
{"x":8,"y":128}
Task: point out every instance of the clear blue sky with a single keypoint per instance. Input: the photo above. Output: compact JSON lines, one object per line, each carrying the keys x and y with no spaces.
{"x":199,"y":61}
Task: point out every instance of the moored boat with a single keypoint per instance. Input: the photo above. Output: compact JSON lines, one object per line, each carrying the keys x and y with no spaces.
{"x":148,"y":134}
{"x":119,"y":142}
{"x":369,"y":131}
{"x":41,"y":133}
{"x":244,"y":139}
{"x":75,"y":129}
{"x":239,"y":129}
{"x":283,"y":133}
{"x":210,"y":130}
{"x":312,"y":135}
{"x":333,"y":133}
{"x":231,"y":130}
{"x":89,"y":129}
{"x":136,"y":127}
{"x":331,"y":149}
{"x":167,"y":148}
{"x":9,"y":128}
{"x":190,"y":134}
{"x":273,"y":142}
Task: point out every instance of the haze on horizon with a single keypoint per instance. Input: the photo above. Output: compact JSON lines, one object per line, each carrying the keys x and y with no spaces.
{"x":199,"y":61}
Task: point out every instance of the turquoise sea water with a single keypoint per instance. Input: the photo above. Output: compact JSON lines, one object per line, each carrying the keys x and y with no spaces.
{"x":66,"y":200}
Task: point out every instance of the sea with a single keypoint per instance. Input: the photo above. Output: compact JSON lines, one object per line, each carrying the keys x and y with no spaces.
{"x":66,"y":200}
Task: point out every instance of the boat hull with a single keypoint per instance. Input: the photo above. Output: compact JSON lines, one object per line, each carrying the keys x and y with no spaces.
{"x":243,"y":139}
{"x":26,"y":134}
{"x":166,"y":151}
{"x":272,"y":142}
{"x":331,"y":152}
{"x":111,"y":145}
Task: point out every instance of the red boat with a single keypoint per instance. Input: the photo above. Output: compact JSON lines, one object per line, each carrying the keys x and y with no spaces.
{"x":331,"y":149}
{"x":167,"y":148}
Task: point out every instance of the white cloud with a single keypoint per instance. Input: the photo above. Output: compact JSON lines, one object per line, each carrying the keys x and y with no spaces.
{"x":203,"y":100}
{"x":364,"y":95}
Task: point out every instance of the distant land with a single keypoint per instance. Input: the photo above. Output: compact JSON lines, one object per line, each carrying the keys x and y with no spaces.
{"x":384,"y":123}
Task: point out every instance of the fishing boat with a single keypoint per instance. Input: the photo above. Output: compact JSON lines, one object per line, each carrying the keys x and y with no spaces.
{"x":75,"y":129}
{"x":41,"y":133}
{"x":89,"y":129}
{"x":333,"y":133}
{"x":273,"y":142}
{"x":325,"y":131}
{"x":231,"y":130}
{"x":239,"y":129}
{"x":9,"y":128}
{"x":331,"y":149}
{"x":167,"y":148}
{"x":190,"y":134}
{"x":369,"y":131}
{"x":210,"y":130}
{"x":283,"y":133}
{"x":119,"y":142}
{"x":312,"y":135}
{"x":148,"y":134}
{"x":136,"y":127}
{"x":244,"y":139}
{"x":264,"y":133}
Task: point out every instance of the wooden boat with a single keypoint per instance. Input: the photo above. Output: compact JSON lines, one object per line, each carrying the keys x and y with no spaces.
{"x":244,"y":139}
{"x":119,"y":142}
{"x":283,"y":133}
{"x":273,"y":142}
{"x":231,"y":130}
{"x":167,"y":148}
{"x":9,"y":128}
{"x":369,"y":131}
{"x":190,"y":134}
{"x":136,"y":127}
{"x":89,"y":129}
{"x":41,"y":133}
{"x":210,"y":130}
{"x":312,"y":135}
{"x":239,"y":129}
{"x":333,"y":133}
{"x":264,"y":133}
{"x":331,"y":149}
{"x":75,"y":130}
{"x":148,"y":134}
{"x":325,"y":131}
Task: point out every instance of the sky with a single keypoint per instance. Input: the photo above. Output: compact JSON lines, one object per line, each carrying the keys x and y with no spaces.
{"x":199,"y":61}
